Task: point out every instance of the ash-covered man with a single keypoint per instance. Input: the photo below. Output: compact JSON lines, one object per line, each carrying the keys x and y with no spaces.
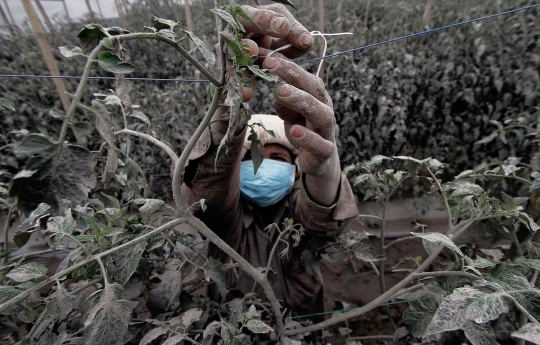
{"x":300,"y":177}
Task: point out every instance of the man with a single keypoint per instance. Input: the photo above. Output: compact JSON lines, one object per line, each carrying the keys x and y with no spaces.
{"x":300,"y":177}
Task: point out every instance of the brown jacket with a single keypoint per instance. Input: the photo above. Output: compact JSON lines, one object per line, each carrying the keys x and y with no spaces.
{"x":242,"y":225}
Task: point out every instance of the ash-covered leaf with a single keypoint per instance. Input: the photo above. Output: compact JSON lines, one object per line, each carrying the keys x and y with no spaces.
{"x":162,"y":296}
{"x":206,"y":53}
{"x":463,"y":188}
{"x":133,"y":288}
{"x":20,"y":238}
{"x":71,"y":51}
{"x":258,"y":326}
{"x":252,"y":313}
{"x":496,"y":254}
{"x":479,"y":334}
{"x":257,"y":150}
{"x":289,"y":341}
{"x":262,"y":73}
{"x":528,"y":221}
{"x":191,"y":316}
{"x":211,"y":328}
{"x":419,"y":315}
{"x":33,"y":144}
{"x":508,"y":277}
{"x":39,"y":212}
{"x":229,"y":19}
{"x":149,"y":205}
{"x":65,"y":172}
{"x":487,"y":307}
{"x":65,"y":302}
{"x":174,"y":340}
{"x":311,"y":265}
{"x":529,"y":332}
{"x":483,"y":263}
{"x":107,"y":321}
{"x":26,"y":272}
{"x":441,"y":239}
{"x":8,"y":292}
{"x":126,"y":262}
{"x":213,"y":270}
{"x":161,"y":24}
{"x":62,"y":224}
{"x":141,"y":116}
{"x":531,"y":263}
{"x":5,"y":252}
{"x":152,"y":335}
{"x":52,"y":339}
{"x":82,"y":127}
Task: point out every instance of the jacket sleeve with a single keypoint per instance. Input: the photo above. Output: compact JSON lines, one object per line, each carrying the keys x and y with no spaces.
{"x":219,"y":188}
{"x":315,"y":217}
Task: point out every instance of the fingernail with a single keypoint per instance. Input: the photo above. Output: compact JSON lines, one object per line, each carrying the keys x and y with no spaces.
{"x":298,"y":133}
{"x":306,"y":40}
{"x":284,"y":91}
{"x":271,"y":63}
{"x":278,"y":24}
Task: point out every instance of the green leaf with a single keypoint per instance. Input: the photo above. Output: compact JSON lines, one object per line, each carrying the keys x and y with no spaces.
{"x":107,"y":322}
{"x":508,"y":277}
{"x":112,"y":63}
{"x":162,"y":296}
{"x":5,"y":252}
{"x":8,"y":292}
{"x":229,"y":19}
{"x":21,"y":237}
{"x":26,"y":272}
{"x":257,"y":150}
{"x":27,"y":315}
{"x":240,"y":56}
{"x":34,"y":144}
{"x":419,"y":315}
{"x":126,"y":262}
{"x":436,"y":237}
{"x":529,"y":332}
{"x":213,"y":270}
{"x":82,"y":127}
{"x":90,"y":36}
{"x":258,"y":326}
{"x":528,"y":221}
{"x":206,"y":53}
{"x":38,"y":213}
{"x":71,"y":51}
{"x":239,"y":11}
{"x":160,"y":23}
{"x":153,"y":335}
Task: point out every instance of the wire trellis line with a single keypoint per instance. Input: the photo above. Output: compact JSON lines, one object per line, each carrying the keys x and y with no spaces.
{"x":372,"y":45}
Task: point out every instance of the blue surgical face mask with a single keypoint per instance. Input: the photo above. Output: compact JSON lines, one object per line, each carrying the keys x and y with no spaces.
{"x":273,"y":181}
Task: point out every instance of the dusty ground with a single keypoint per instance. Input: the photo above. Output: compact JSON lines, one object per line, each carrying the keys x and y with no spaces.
{"x":354,"y":290}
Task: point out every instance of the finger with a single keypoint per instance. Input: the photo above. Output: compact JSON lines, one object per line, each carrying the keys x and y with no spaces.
{"x":290,"y":52}
{"x":268,"y":22}
{"x":295,"y":75}
{"x":303,"y":138}
{"x":318,"y":114}
{"x":289,"y":116}
{"x":298,"y":35}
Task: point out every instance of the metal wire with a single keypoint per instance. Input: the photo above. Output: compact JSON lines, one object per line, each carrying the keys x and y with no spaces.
{"x":372,"y":45}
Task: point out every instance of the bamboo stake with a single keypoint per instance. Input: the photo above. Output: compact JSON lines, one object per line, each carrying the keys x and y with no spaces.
{"x":45,"y":17}
{"x":10,"y":15}
{"x":66,"y":10}
{"x":99,"y":9}
{"x":92,"y":15}
{"x":47,"y":53}
{"x":320,"y":6}
{"x":8,"y":23}
{"x":120,"y":14}
{"x":189,"y":22}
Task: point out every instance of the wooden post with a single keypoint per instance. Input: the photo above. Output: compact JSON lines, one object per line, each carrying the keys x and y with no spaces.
{"x":66,"y":10}
{"x":6,"y":20}
{"x":368,"y":5}
{"x":46,"y":18}
{"x":99,"y":9}
{"x":120,"y":14}
{"x":92,"y":15}
{"x":10,"y":15}
{"x":320,"y":6}
{"x":46,"y":52}
{"x":189,"y":22}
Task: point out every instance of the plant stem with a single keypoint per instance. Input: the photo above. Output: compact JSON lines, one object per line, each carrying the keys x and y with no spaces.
{"x":370,"y":306}
{"x":80,"y":264}
{"x":87,"y":285}
{"x":516,"y":240}
{"x":446,"y":274}
{"x":151,"y":139}
{"x":373,"y":337}
{"x":103,"y":271}
{"x":242,"y":263}
{"x":6,"y":228}
{"x":517,"y":178}
{"x":445,"y":199}
{"x":178,"y":175}
{"x":47,"y":251}
{"x":85,"y":250}
{"x":369,"y":216}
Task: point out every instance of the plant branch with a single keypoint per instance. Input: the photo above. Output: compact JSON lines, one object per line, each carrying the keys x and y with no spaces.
{"x":370,"y":306}
{"x":401,"y":240}
{"x":445,"y":200}
{"x":242,"y":263}
{"x":7,"y":226}
{"x":178,"y":175}
{"x":373,"y":337}
{"x":151,"y":139}
{"x":517,"y":178}
{"x":103,"y":271}
{"x":87,"y":285}
{"x":446,"y":274}
{"x":47,"y":251}
{"x":80,"y":264}
{"x":85,"y":250}
{"x":368,"y":216}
